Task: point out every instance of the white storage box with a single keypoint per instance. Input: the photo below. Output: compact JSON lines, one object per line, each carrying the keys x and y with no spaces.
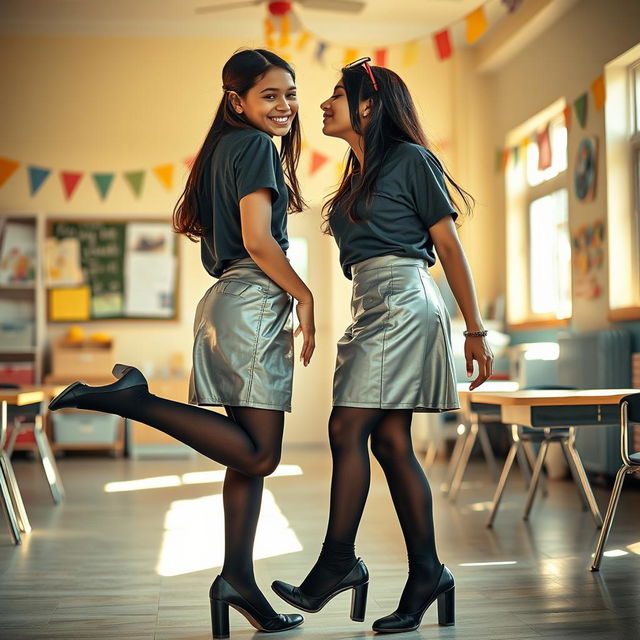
{"x":16,"y":334}
{"x":85,"y":428}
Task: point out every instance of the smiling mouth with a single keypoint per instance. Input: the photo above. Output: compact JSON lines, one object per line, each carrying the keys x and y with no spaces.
{"x":279,"y":119}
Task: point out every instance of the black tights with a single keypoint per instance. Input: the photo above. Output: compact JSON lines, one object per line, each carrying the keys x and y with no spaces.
{"x":390,"y":432}
{"x":248,"y":442}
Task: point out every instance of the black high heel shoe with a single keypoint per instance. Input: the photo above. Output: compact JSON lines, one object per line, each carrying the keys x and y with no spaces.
{"x":223,"y":595}
{"x":357,"y":579}
{"x":127,"y":377}
{"x":444,"y":592}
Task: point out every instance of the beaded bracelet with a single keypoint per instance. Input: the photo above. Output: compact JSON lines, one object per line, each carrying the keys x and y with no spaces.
{"x":475,"y":334}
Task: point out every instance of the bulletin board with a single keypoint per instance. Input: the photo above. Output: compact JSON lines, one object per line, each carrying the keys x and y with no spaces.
{"x":111,"y":270}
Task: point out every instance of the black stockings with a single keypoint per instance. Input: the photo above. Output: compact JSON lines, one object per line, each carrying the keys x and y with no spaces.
{"x":390,"y":432}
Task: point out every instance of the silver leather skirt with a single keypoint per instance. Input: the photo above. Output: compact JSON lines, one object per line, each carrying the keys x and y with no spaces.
{"x":243,"y":342}
{"x":396,"y":354}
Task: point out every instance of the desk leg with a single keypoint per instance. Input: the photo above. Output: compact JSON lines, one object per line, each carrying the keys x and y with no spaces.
{"x":531,"y":494}
{"x":527,"y":451}
{"x":502,"y":483}
{"x":485,"y":443}
{"x":464,"y":461}
{"x":584,"y":481}
{"x":9,"y":511}
{"x":48,"y":462}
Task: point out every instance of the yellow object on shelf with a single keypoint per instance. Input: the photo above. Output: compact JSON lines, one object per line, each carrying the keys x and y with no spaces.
{"x":100,"y":337}
{"x":75,"y":334}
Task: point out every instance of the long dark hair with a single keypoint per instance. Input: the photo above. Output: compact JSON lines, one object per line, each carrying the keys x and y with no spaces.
{"x":392,"y":119}
{"x":241,"y":72}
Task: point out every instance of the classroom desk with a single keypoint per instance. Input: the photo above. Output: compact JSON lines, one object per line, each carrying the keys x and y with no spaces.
{"x":12,"y":503}
{"x":555,"y":409}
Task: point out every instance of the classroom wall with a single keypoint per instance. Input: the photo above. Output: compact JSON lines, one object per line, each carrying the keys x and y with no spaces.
{"x":104,"y":104}
{"x":562,"y":61}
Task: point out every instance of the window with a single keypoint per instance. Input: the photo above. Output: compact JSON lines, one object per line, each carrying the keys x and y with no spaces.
{"x":622,"y":122}
{"x":538,"y":238}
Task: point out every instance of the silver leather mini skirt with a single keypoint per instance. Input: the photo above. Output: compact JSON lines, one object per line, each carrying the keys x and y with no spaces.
{"x":396,"y":354}
{"x":243,"y":342}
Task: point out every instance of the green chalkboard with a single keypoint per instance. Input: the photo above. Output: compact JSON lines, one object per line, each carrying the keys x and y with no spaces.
{"x":130,"y":268}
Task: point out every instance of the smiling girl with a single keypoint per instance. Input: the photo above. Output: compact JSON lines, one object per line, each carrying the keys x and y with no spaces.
{"x":235,"y":202}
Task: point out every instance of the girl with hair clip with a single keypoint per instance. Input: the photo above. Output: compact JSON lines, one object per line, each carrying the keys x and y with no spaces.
{"x":390,"y":214}
{"x":235,"y":202}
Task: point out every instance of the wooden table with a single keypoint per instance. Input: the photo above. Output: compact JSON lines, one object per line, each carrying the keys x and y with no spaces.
{"x":12,"y":503}
{"x":545,"y":410}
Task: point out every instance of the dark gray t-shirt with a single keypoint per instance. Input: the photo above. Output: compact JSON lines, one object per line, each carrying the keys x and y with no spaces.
{"x":409,"y":197}
{"x":244,"y":161}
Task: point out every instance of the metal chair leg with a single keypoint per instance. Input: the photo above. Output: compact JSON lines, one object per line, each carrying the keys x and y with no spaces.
{"x":608,"y":518}
{"x":485,"y":443}
{"x":574,"y":475}
{"x":528,"y":450}
{"x":542,"y":454}
{"x":48,"y":462}
{"x":14,"y":492}
{"x":584,"y":481}
{"x":455,"y":459}
{"x":464,"y":461}
{"x":502,"y":483}
{"x":9,"y":511}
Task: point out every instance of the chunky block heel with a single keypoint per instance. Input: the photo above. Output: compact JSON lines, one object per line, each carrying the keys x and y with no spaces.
{"x":119,"y":370}
{"x":219,"y":618}
{"x":359,"y":602}
{"x":447,"y":608}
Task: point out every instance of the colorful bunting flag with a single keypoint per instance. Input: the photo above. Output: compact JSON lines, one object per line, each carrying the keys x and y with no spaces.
{"x":317,"y":160}
{"x":37,"y":176}
{"x":189,"y":161}
{"x":544,"y":149}
{"x":567,"y":117}
{"x":103,"y":183}
{"x":268,"y":33}
{"x":303,"y":38}
{"x":580,"y":105}
{"x":164,"y":173}
{"x":515,"y":152}
{"x":7,"y":169}
{"x":322,"y":47}
{"x":410,"y":53}
{"x":350,"y":55}
{"x":70,"y":181}
{"x":380,"y":57}
{"x":284,"y":31}
{"x":598,"y":91}
{"x":135,"y":179}
{"x":476,"y":24}
{"x":443,"y":44}
{"x":505,"y":158}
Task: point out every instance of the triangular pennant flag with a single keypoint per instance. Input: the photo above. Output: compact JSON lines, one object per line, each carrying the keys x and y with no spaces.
{"x":567,"y":117}
{"x":443,"y":44}
{"x":268,"y":33}
{"x":580,"y":105}
{"x":189,"y":161}
{"x":516,"y":154}
{"x":505,"y":158}
{"x":103,"y":183}
{"x":70,"y":181}
{"x":598,"y":91}
{"x":380,"y":57}
{"x":303,"y":38}
{"x":544,"y":149}
{"x":135,"y":180}
{"x":322,"y":47}
{"x":7,"y":169}
{"x":284,"y":31}
{"x":476,"y":24}
{"x":37,"y":176}
{"x":317,"y":160}
{"x":164,"y":173}
{"x":350,"y":55}
{"x":340,"y":166}
{"x":410,"y":53}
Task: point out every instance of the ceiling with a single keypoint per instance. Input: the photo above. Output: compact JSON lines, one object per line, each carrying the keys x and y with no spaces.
{"x":381,"y":22}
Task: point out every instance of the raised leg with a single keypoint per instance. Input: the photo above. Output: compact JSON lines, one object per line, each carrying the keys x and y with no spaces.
{"x":608,"y":518}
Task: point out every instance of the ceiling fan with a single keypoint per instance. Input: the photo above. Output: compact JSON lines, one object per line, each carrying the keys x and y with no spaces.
{"x":348,"y":6}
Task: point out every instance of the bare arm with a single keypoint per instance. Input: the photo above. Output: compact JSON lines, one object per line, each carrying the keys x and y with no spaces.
{"x":255,"y":218}
{"x":456,"y":268}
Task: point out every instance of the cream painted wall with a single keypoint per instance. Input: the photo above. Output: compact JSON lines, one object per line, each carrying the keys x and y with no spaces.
{"x":105,"y":104}
{"x":562,"y":62}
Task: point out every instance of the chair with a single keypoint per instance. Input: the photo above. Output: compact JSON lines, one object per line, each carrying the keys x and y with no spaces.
{"x":522,"y":437}
{"x":629,"y":412}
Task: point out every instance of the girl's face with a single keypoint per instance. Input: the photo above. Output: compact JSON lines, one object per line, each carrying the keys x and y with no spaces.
{"x":336,"y":121}
{"x":271,"y":104}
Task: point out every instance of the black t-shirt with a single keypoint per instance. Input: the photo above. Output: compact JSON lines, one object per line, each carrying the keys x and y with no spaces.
{"x":244,"y":161}
{"x":409,"y":197}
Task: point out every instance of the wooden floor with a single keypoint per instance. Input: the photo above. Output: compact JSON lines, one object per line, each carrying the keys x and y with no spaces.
{"x":135,"y":560}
